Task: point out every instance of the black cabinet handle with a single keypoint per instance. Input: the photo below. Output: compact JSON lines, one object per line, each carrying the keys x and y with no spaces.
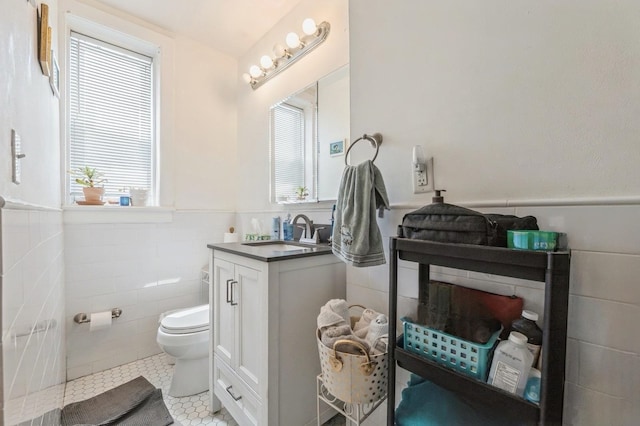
{"x":228,"y":298}
{"x":235,"y":398}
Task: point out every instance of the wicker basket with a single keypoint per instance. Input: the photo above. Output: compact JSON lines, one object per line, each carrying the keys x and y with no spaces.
{"x":354,"y":379}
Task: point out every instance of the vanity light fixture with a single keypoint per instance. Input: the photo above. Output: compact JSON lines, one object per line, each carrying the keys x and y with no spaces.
{"x":296,"y":47}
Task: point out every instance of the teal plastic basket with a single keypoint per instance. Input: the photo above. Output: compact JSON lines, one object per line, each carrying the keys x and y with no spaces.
{"x":461,"y":355}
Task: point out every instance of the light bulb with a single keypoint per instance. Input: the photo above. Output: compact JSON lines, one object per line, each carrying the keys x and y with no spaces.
{"x":292,"y":40}
{"x":246,"y":77}
{"x":255,"y":71}
{"x":279,"y":51}
{"x":266,"y":62}
{"x":309,"y":26}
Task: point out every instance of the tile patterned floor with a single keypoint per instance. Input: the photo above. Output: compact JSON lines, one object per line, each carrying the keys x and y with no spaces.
{"x":189,"y":410}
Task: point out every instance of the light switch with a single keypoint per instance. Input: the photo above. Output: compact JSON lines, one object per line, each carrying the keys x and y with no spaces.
{"x":16,"y":155}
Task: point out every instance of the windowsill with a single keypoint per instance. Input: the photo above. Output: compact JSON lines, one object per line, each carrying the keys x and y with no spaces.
{"x":117,"y":214}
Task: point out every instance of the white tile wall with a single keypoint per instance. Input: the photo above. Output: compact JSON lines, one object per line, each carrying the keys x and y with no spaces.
{"x":603,"y":367}
{"x":33,"y":351}
{"x":144,"y":269}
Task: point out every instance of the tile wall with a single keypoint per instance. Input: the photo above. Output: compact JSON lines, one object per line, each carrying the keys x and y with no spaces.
{"x":603,"y":350}
{"x":143,"y":268}
{"x":32,"y":277}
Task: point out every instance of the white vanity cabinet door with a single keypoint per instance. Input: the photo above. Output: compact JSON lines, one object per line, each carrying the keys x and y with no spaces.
{"x":223,"y":312}
{"x":248,"y":297}
{"x":239,"y":317}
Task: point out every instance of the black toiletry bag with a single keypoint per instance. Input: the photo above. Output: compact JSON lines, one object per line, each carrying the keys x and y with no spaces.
{"x":448,"y":223}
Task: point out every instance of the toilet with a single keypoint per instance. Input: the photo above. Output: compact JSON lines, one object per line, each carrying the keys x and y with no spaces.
{"x":184,"y":335}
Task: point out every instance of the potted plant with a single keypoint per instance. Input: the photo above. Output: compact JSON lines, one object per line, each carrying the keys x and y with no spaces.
{"x":302,"y":192}
{"x":89,"y":177}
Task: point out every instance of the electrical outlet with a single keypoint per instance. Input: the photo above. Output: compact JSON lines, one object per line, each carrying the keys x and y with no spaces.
{"x":423,"y":180}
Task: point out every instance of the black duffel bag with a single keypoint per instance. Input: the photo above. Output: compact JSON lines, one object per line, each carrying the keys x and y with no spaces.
{"x":448,"y":223}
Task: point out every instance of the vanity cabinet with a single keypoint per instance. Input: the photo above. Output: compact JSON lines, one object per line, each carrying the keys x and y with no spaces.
{"x":263,"y":345}
{"x":551,"y":268}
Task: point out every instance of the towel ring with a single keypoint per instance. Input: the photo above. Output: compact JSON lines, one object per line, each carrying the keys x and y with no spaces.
{"x":375,"y":140}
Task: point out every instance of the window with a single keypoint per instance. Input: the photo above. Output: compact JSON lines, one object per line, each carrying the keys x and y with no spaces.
{"x":111,"y":110}
{"x":287,"y":126}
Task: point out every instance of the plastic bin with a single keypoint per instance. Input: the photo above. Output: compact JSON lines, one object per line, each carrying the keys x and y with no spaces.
{"x":472,"y":359}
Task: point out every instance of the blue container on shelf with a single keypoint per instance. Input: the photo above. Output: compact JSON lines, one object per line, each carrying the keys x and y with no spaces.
{"x":472,"y":359}
{"x":532,"y":240}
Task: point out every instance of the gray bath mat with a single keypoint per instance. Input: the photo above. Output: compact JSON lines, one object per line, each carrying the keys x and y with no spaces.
{"x":135,"y":403}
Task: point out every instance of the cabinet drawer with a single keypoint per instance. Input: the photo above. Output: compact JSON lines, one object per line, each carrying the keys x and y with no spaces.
{"x":235,"y":396}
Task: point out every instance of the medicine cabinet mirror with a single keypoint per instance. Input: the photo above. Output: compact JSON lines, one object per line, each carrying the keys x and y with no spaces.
{"x":309,"y":133}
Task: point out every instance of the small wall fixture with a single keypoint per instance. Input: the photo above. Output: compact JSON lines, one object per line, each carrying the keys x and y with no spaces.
{"x":296,"y":48}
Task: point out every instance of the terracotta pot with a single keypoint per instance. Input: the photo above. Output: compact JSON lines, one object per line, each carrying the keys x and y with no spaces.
{"x":93,"y":194}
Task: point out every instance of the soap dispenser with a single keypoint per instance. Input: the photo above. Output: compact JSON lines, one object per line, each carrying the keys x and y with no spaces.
{"x":438,"y":198}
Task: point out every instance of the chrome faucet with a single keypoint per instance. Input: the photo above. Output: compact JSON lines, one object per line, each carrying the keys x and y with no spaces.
{"x":306,"y":230}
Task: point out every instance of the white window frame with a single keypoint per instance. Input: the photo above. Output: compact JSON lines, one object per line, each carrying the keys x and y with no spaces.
{"x":135,"y":44}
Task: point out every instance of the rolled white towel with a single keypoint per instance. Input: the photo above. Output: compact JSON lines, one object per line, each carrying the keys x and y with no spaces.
{"x":367,"y":316}
{"x":361,"y":328}
{"x":377,"y":328}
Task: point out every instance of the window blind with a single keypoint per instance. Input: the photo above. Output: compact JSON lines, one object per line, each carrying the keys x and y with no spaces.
{"x":111,"y":114}
{"x":289,"y":148}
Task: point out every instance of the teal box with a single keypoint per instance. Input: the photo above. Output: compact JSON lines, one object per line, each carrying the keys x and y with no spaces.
{"x":532,"y":240}
{"x":472,"y":359}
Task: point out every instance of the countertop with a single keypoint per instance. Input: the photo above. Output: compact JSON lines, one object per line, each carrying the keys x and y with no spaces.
{"x":273,"y":250}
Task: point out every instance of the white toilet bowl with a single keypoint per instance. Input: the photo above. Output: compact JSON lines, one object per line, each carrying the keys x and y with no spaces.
{"x":184,"y":335}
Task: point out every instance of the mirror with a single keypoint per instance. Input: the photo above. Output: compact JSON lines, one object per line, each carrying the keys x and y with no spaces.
{"x":309,"y":138}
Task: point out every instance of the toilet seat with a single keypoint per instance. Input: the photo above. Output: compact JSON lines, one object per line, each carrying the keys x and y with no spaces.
{"x":186,"y":321}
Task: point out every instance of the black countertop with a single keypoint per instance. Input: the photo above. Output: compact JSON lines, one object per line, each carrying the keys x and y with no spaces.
{"x":272,"y":250}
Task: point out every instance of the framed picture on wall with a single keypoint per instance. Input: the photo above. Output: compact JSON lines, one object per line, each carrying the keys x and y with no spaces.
{"x":44,"y":40}
{"x":336,"y":148}
{"x":54,"y":77}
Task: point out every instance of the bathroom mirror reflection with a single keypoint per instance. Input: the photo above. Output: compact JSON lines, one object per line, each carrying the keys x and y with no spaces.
{"x":309,"y":138}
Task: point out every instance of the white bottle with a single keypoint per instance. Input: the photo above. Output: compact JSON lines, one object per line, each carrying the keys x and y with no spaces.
{"x":511,"y":364}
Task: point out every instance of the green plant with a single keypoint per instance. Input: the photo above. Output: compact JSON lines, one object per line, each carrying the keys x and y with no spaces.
{"x":87,"y":176}
{"x":302,"y":192}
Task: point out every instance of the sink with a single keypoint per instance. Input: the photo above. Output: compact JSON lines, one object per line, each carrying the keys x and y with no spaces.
{"x":278,"y":246}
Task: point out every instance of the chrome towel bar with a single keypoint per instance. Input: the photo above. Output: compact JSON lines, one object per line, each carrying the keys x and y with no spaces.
{"x":375,"y":140}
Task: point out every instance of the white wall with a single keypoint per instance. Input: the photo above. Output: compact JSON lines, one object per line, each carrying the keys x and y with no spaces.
{"x":530,"y":99}
{"x":333,"y":125}
{"x":27,"y":105}
{"x":33,"y":348}
{"x":525,"y":104}
{"x":31,"y":271}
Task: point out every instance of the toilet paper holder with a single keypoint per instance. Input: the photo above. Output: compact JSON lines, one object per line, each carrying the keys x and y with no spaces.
{"x":83,"y":318}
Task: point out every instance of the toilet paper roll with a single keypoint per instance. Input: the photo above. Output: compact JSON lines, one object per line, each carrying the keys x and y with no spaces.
{"x":100,"y":321}
{"x":231,"y":237}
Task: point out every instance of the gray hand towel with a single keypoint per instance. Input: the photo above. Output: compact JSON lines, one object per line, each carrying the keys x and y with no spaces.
{"x":356,"y":237}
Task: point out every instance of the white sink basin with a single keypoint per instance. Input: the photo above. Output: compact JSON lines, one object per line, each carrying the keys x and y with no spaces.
{"x":278,"y":246}
{"x":285,"y":247}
